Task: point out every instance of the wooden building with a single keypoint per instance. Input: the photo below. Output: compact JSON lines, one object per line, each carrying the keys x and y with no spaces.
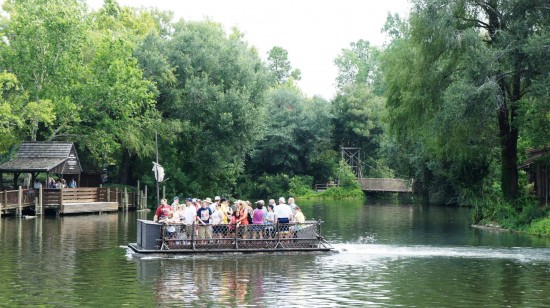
{"x":59,"y":158}
{"x":537,"y":166}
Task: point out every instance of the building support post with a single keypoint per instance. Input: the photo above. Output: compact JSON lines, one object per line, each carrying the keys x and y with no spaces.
{"x":20,"y":202}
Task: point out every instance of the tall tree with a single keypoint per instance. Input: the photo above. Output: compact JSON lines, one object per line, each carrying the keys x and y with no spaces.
{"x":358,"y":107}
{"x":357,"y":65}
{"x":41,"y":46}
{"x":460,"y":73}
{"x":280,"y":67}
{"x":120,"y":101}
{"x":218,"y":94}
{"x":12,"y":102}
{"x":298,"y":129}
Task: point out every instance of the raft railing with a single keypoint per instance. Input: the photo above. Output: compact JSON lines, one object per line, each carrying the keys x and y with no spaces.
{"x":252,"y":237}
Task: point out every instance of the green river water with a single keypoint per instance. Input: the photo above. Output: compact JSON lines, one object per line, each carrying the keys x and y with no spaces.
{"x":389,"y":255}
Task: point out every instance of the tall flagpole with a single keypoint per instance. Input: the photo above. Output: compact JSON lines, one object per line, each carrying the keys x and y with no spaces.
{"x":157,"y":152}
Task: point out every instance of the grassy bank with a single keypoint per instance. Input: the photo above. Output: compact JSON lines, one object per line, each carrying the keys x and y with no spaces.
{"x":540,"y":227}
{"x":526,"y":216}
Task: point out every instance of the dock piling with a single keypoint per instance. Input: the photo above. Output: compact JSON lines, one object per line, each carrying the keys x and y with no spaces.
{"x":40,"y":192}
{"x":19,"y":212}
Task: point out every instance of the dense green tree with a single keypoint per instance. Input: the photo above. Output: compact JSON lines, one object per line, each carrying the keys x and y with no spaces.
{"x":12,"y":103}
{"x":298,"y":130}
{"x":218,"y":94}
{"x":457,"y":77}
{"x":358,"y":114}
{"x":118,"y":115}
{"x":41,"y":46}
{"x":280,"y":67}
{"x":358,"y":65}
{"x":358,"y":107}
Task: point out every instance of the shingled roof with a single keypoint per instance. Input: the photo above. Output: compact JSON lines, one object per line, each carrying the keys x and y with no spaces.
{"x":534,"y":155}
{"x":51,"y":157}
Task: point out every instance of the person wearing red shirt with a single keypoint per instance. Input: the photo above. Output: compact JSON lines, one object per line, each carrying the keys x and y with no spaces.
{"x":162,"y":211}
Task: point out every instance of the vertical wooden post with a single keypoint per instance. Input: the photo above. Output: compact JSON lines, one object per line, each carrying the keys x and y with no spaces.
{"x":20,"y":202}
{"x":138,"y":201}
{"x":145,"y":198}
{"x":39,"y":204}
{"x":61,"y":206}
{"x":5,"y":198}
{"x":125,"y":202}
{"x":108,"y":194}
{"x":1,"y":201}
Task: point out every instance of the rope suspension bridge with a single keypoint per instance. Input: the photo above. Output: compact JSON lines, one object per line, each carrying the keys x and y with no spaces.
{"x":352,"y":156}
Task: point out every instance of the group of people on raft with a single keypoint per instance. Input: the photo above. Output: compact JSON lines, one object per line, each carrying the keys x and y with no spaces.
{"x":217,"y":219}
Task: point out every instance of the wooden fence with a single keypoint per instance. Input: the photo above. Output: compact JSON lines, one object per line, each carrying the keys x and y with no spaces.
{"x":322,"y":187}
{"x":57,"y":198}
{"x":80,"y":195}
{"x":9,"y":199}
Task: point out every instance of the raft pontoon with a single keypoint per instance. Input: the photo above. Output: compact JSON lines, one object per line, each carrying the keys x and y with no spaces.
{"x":176,"y":238}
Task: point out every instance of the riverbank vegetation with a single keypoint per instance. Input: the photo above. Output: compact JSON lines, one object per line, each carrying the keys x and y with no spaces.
{"x":464,"y":100}
{"x":452,"y":101}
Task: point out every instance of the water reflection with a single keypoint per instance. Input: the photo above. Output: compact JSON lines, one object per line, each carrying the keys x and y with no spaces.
{"x":390,"y":255}
{"x":224,"y":280}
{"x":358,"y":275}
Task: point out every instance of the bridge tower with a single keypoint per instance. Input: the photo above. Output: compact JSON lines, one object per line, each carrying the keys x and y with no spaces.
{"x":352,"y":157}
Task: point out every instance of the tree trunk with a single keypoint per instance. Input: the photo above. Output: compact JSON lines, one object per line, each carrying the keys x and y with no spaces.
{"x":126,"y":171}
{"x":509,"y":169}
{"x":508,"y":131}
{"x":124,"y":168}
{"x":510,"y":94}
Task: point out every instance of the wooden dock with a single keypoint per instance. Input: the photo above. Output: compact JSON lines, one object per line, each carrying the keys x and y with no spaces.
{"x":81,"y":200}
{"x":16,"y":200}
{"x":66,"y":200}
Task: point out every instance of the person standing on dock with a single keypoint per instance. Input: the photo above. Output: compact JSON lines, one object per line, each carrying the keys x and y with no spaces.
{"x":72,"y":183}
{"x":37,"y":184}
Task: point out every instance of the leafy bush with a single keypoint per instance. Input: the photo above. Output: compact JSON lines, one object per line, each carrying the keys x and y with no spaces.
{"x":342,"y":193}
{"x":335,"y":193}
{"x":266,"y":185}
{"x":493,"y":208}
{"x":301,"y":185}
{"x":346,"y":178}
{"x":539,"y":227}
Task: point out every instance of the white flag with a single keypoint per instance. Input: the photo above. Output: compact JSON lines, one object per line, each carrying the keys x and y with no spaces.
{"x":159,"y":172}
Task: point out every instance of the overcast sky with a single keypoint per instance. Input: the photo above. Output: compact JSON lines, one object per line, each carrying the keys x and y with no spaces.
{"x":313,"y":32}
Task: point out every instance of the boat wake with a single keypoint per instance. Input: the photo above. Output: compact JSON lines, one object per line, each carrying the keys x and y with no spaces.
{"x":521,"y":254}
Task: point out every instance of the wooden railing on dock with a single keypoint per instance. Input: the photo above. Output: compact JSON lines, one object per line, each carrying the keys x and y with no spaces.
{"x":322,"y":187}
{"x":57,"y":198}
{"x":54,"y":196}
{"x":9,"y":199}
